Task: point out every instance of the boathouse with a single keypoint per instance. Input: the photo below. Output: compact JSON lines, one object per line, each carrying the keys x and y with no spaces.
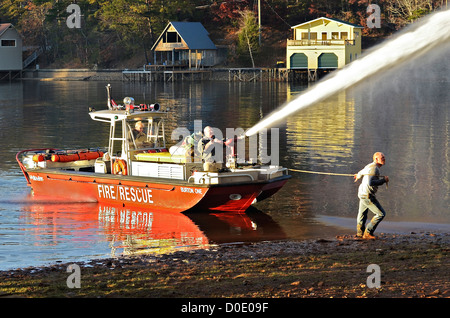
{"x":323,"y":43}
{"x":10,"y":50}
{"x":185,"y":44}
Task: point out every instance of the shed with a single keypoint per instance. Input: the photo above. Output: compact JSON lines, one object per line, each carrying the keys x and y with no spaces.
{"x":10,"y":48}
{"x":323,"y":43}
{"x":185,"y":44}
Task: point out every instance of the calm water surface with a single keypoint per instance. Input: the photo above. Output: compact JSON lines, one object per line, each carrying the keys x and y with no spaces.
{"x":407,"y":120}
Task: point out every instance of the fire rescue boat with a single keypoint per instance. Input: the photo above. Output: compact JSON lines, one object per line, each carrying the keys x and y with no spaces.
{"x":144,"y":173}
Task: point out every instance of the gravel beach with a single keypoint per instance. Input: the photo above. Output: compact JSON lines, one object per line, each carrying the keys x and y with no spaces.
{"x":411,"y":265}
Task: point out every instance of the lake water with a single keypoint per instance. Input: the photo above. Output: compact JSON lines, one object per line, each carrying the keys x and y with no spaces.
{"x":404,"y":114}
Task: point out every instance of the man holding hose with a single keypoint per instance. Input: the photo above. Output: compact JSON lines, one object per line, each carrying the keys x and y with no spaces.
{"x":367,"y":201}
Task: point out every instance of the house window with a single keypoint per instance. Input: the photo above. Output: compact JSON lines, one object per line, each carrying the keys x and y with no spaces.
{"x":334,"y":35}
{"x":344,"y":35}
{"x":172,"y":37}
{"x":11,"y":43}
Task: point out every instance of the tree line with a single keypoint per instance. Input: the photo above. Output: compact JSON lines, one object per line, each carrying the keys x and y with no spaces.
{"x":117,"y":30}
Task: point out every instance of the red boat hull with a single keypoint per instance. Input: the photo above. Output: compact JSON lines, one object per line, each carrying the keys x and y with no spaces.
{"x":131,"y":191}
{"x":219,"y":198}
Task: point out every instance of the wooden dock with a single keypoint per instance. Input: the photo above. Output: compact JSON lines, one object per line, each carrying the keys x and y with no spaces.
{"x":173,"y":74}
{"x":165,"y":75}
{"x":258,"y":74}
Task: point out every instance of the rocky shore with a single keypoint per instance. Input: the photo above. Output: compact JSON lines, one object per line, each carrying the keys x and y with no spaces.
{"x":410,"y":266}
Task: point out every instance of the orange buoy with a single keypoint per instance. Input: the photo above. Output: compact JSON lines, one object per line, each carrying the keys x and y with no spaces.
{"x":38,"y":158}
{"x":65,"y":158}
{"x":120,"y":166}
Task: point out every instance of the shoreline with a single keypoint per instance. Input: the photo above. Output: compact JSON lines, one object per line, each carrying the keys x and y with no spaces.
{"x":412,"y":266}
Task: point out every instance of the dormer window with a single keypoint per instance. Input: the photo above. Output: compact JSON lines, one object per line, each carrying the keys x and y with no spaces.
{"x":172,"y":37}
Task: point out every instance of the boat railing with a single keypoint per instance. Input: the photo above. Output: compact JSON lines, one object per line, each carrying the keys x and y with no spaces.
{"x":22,"y":167}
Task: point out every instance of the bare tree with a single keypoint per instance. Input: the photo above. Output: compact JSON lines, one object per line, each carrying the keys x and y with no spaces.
{"x":248,"y":34}
{"x":402,"y":12}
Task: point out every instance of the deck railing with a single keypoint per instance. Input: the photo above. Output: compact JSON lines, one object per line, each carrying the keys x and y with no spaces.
{"x":175,"y":45}
{"x":319,"y":42}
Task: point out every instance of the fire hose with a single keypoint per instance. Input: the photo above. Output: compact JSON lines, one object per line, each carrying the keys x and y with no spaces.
{"x":333,"y":174}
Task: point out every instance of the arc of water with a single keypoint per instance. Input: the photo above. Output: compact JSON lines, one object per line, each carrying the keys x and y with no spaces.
{"x":412,"y":42}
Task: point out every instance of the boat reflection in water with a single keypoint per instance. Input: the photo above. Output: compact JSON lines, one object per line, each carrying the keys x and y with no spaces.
{"x":132,"y":231}
{"x":145,"y":231}
{"x":251,"y":226}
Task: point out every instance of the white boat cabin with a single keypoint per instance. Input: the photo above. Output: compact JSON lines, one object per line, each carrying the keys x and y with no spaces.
{"x":138,"y":138}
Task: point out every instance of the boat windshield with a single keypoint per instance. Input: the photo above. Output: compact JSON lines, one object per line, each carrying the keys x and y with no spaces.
{"x":145,"y":133}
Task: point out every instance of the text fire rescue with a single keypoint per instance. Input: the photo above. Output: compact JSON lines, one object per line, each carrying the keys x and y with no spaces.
{"x":124,"y":193}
